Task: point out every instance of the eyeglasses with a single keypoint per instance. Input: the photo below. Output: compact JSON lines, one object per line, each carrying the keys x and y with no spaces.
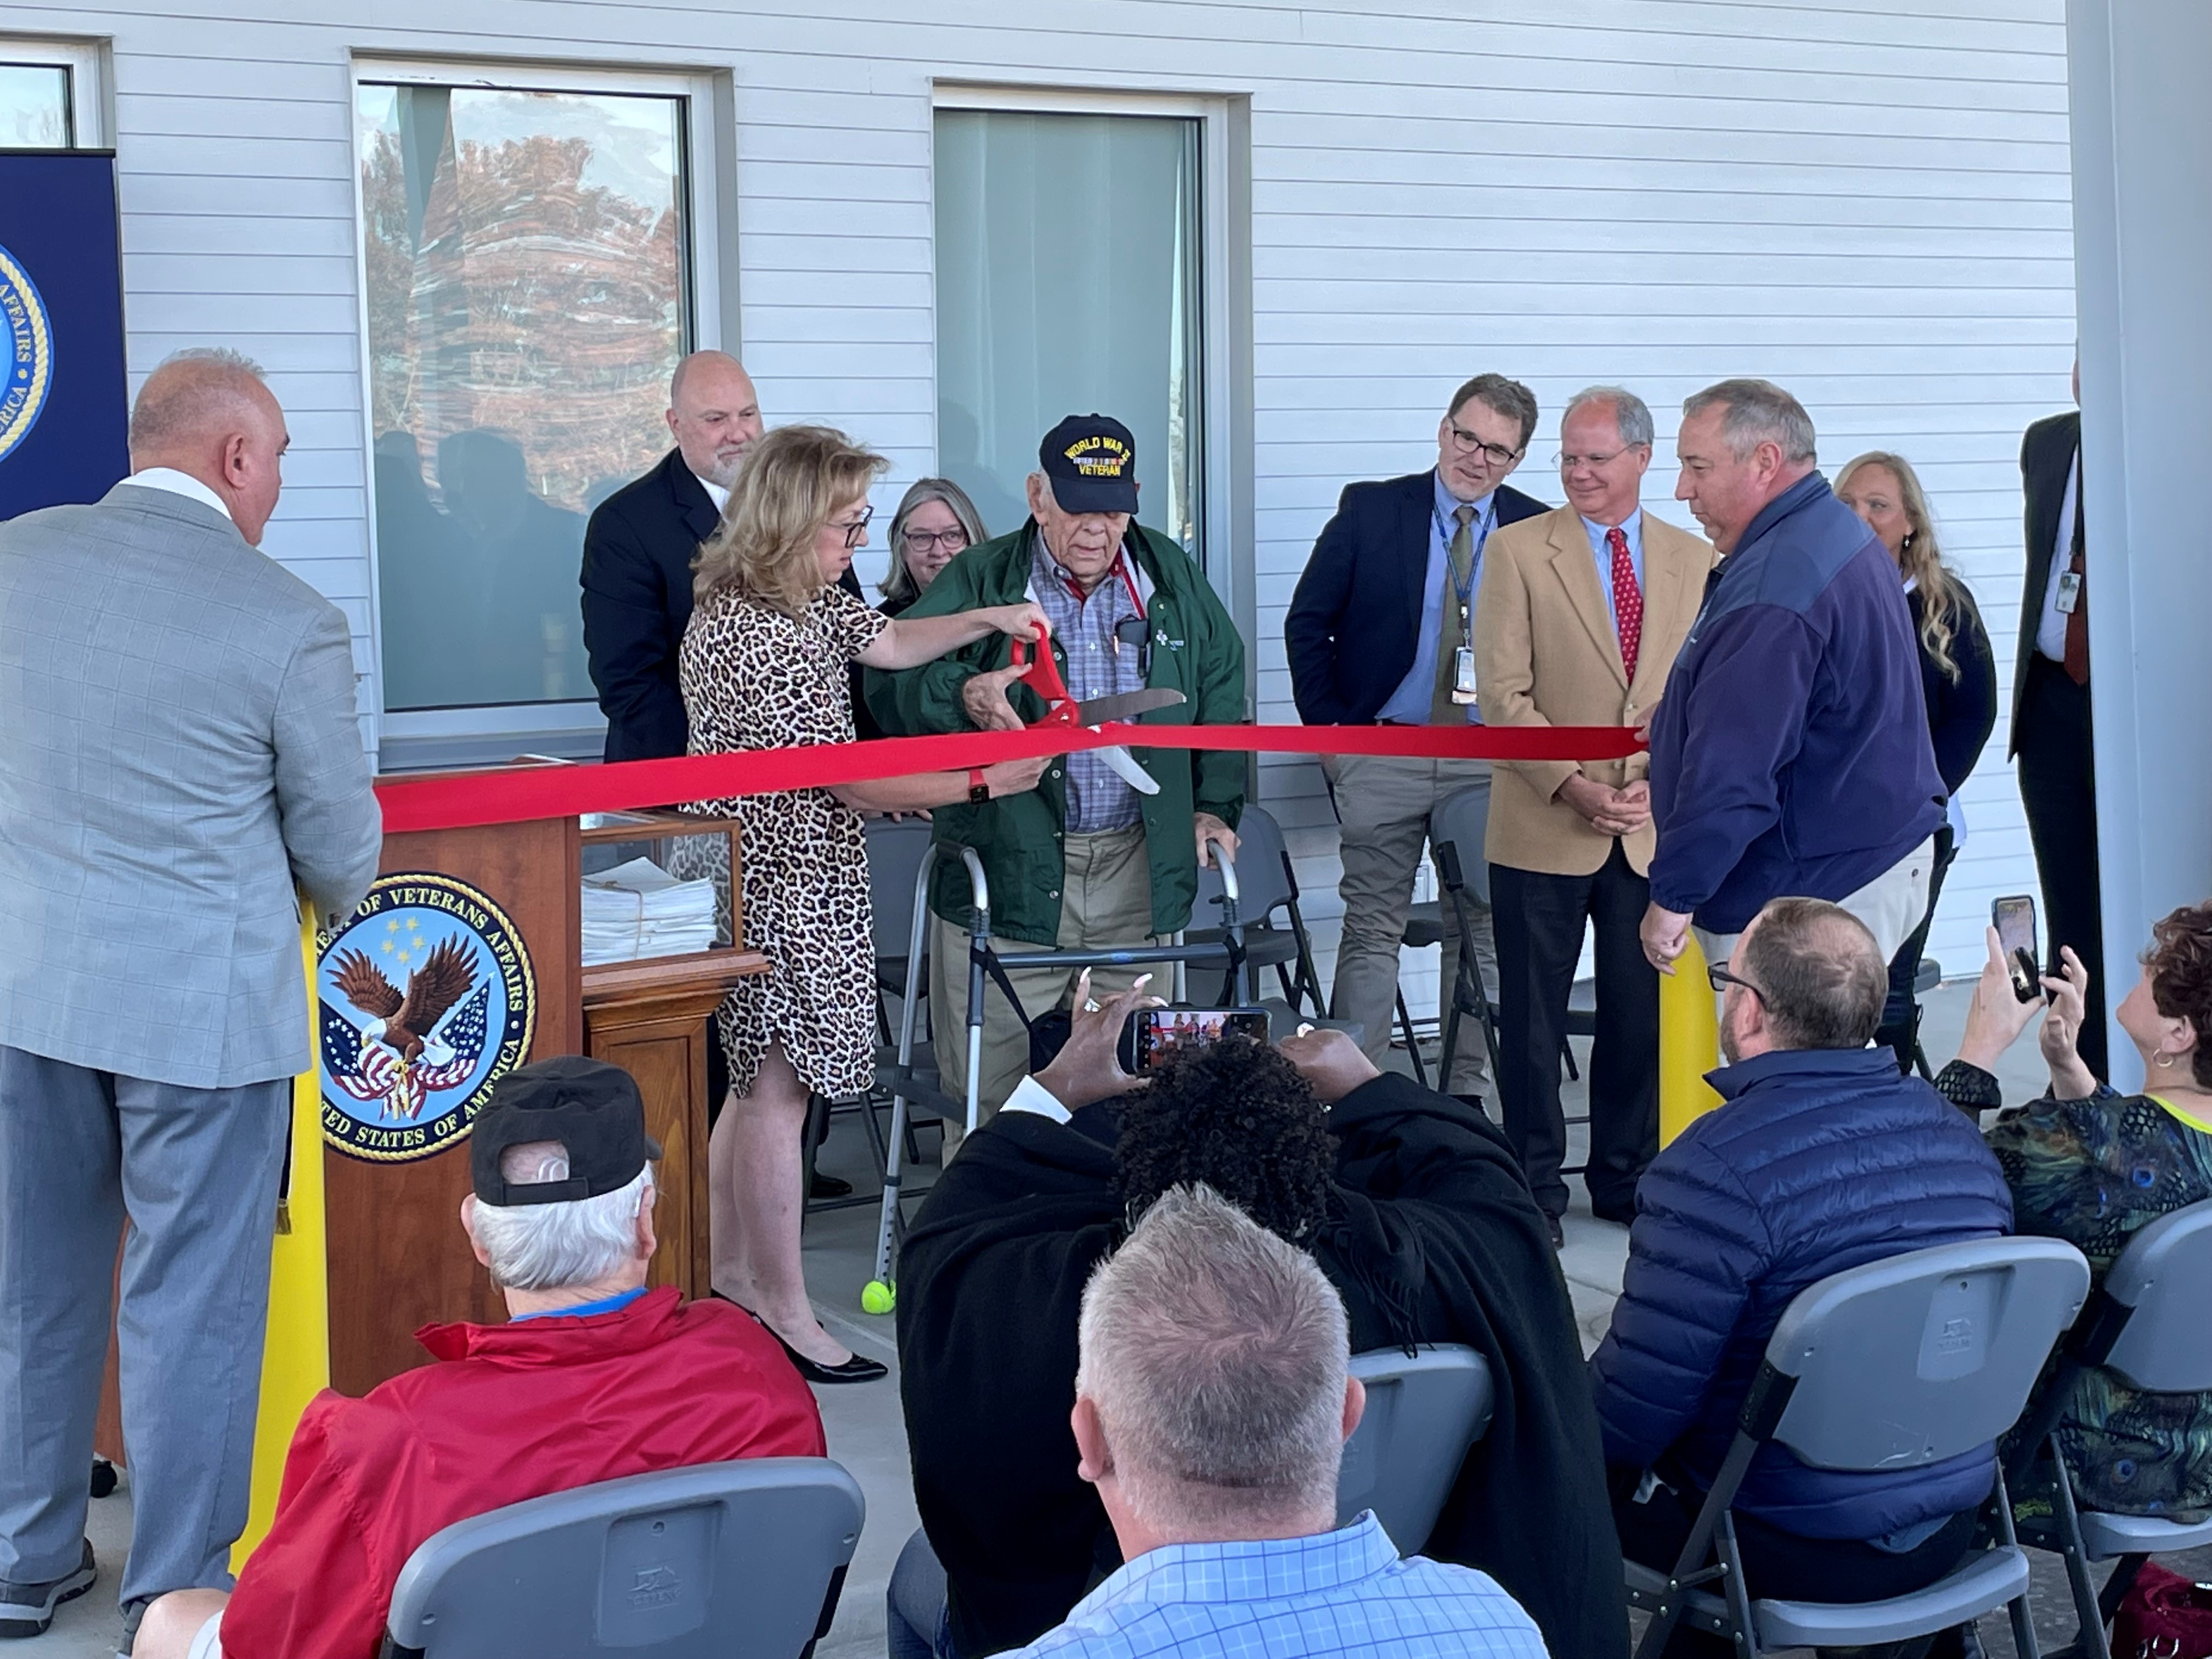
{"x":1720,"y":979}
{"x":856,"y":528}
{"x":1468,"y":444}
{"x":1568,"y":463}
{"x":918,"y":542}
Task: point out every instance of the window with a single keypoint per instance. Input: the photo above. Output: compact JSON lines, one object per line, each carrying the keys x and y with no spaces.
{"x":1069,"y":281}
{"x":526,"y":283}
{"x":50,"y":96}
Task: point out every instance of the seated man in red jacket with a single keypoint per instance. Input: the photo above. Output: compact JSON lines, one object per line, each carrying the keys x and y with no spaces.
{"x":594,"y":1377}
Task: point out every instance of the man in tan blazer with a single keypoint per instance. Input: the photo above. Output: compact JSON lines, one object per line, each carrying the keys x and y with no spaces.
{"x":1580,"y":615}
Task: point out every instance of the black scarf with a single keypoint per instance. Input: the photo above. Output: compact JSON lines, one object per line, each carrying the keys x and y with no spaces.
{"x":1432,"y":1238}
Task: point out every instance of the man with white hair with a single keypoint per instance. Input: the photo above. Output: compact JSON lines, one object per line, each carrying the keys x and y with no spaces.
{"x":1212,"y":1401}
{"x":594,"y":1377}
{"x":1789,"y":753}
{"x":181,"y":762}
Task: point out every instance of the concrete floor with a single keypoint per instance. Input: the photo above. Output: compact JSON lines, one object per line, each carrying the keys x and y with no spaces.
{"x":867,"y":1434}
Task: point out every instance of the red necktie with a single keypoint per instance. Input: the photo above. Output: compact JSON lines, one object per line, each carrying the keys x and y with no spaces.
{"x":1627,"y":601}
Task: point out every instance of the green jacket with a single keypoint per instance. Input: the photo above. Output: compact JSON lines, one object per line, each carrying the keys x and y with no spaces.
{"x":1018,"y":836}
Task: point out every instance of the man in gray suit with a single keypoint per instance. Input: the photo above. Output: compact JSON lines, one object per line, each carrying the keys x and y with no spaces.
{"x":179,"y":755}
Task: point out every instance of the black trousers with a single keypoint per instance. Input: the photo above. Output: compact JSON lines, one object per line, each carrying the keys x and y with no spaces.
{"x":1900,"y":1015}
{"x":1539,"y":921}
{"x":2058,"y":787}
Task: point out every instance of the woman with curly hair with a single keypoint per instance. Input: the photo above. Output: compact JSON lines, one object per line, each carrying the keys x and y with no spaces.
{"x":1958,"y":673}
{"x":2093,"y":1166}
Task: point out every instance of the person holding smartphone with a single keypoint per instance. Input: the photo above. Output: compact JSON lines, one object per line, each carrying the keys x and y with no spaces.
{"x":2093,"y":1166}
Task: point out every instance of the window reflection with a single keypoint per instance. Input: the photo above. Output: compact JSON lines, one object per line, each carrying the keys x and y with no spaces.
{"x":34,"y":106}
{"x":524,"y":254}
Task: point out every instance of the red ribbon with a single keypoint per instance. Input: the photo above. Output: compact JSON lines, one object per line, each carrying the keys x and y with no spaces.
{"x":514,"y":795}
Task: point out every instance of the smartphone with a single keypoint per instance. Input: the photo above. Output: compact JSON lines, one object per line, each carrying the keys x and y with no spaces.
{"x":2014,"y":920}
{"x":1163,"y":1032}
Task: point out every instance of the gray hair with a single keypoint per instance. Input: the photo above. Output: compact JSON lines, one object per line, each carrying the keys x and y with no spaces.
{"x":557,"y":1246}
{"x":899,"y":584}
{"x":1631,"y":414}
{"x":1215,"y":1353}
{"x":187,"y":392}
{"x":1758,"y":412}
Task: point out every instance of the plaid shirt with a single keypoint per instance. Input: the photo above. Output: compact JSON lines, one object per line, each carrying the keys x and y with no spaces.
{"x":1097,"y":799}
{"x":1344,"y":1593}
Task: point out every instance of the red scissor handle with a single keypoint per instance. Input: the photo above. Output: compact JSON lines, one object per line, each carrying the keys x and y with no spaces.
{"x":1043,"y":675}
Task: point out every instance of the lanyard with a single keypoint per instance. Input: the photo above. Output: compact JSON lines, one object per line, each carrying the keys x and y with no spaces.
{"x":1478,"y":537}
{"x":1120,"y":569}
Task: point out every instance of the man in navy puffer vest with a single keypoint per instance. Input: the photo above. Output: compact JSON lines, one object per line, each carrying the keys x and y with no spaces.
{"x":1820,"y":1158}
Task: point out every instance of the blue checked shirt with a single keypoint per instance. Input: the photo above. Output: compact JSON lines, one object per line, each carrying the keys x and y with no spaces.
{"x":1097,"y":799}
{"x":1344,"y":1594}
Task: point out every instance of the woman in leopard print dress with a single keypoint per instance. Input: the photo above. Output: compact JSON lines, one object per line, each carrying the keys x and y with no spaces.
{"x":763,"y":666}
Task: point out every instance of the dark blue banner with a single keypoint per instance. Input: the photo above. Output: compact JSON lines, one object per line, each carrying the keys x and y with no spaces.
{"x":63,"y":403}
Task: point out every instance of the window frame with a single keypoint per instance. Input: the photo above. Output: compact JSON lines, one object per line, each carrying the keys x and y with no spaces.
{"x":90,"y":105}
{"x":1225,"y":568}
{"x":575,"y":730}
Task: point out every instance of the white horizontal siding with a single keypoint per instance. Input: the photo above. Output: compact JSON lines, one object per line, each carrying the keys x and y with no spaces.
{"x":1866,"y":199}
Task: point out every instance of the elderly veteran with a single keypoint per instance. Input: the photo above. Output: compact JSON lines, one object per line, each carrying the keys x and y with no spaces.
{"x":594,"y":1377}
{"x":1089,"y":860}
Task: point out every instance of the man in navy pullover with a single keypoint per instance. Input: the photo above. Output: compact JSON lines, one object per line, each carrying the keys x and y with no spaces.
{"x":1790,"y":755}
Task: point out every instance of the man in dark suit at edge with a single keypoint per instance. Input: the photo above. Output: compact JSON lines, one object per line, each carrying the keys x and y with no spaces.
{"x":1374,"y":635}
{"x":637,"y":584}
{"x":2050,"y":708}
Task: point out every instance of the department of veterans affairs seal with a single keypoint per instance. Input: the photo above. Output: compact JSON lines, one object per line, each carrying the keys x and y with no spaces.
{"x":29,"y":361}
{"x":427,"y":998}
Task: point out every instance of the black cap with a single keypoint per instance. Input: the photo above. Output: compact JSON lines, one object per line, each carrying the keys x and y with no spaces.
{"x":1091,"y":460}
{"x":591,"y":1107}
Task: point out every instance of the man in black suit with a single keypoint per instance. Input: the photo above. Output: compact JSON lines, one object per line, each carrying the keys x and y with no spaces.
{"x":1381,"y":631}
{"x":2050,"y":708}
{"x":638,"y":550}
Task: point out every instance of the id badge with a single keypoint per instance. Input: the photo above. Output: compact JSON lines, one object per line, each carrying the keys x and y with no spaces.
{"x":1463,"y":675}
{"x":2070,"y":592}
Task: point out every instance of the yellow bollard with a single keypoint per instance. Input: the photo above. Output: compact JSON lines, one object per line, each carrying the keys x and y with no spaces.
{"x":295,"y":1356}
{"x":1689,"y":1042}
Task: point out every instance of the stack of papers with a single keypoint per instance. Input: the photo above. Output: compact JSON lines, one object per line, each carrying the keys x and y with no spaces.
{"x":638,"y":909}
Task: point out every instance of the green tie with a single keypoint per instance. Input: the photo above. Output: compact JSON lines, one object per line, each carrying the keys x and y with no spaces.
{"x":1443,"y":711}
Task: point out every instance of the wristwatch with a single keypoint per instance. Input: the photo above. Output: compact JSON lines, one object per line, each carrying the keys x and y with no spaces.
{"x":978,"y":791}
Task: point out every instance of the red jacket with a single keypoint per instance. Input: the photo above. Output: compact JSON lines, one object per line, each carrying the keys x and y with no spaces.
{"x":513,"y":1411}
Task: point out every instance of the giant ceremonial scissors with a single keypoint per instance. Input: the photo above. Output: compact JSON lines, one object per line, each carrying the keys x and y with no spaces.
{"x":1042,"y":676}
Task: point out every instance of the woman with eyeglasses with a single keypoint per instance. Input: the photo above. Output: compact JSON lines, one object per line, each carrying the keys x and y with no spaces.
{"x":1957,"y":673}
{"x":935,"y":519}
{"x":764,"y":665}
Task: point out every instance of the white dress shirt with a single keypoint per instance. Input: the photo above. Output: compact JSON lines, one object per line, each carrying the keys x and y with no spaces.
{"x":2050,"y":627}
{"x":1031,"y":1096}
{"x":715,"y":493}
{"x":179,"y":483}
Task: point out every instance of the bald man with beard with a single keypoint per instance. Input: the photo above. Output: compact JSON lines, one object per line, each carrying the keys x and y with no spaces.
{"x":179,"y":756}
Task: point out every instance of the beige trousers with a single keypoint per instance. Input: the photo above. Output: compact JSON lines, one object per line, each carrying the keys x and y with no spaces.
{"x":1891,"y":905}
{"x":1105,"y":901}
{"x":1385,"y":804}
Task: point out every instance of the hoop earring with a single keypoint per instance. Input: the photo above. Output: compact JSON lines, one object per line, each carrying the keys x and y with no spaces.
{"x":2165,"y":1060}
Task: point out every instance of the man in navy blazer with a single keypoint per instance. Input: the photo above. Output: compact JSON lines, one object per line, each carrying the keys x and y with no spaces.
{"x":1373,"y":635}
{"x":638,"y":550}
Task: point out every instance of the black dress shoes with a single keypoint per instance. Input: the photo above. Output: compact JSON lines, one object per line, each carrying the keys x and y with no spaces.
{"x":856,"y":1369}
{"x":1558,"y":1230}
{"x":829,"y":1186}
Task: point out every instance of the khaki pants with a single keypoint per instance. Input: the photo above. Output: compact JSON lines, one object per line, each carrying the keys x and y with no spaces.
{"x":1385,"y":804}
{"x":1891,"y":905}
{"x":1105,"y":901}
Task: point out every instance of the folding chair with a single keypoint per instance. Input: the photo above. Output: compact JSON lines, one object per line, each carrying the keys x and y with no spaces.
{"x":1459,"y":825}
{"x":740,"y":1560}
{"x":1423,"y":1410}
{"x":1896,"y":1364}
{"x":2146,"y":1323}
{"x":1267,"y":884}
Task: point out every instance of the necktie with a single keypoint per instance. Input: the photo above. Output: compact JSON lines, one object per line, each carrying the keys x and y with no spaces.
{"x":1443,"y":711}
{"x":1627,"y":601}
{"x":2077,"y":620}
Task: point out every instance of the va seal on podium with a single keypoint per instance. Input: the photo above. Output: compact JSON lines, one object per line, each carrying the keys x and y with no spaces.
{"x":30,"y":362}
{"x":427,"y":999}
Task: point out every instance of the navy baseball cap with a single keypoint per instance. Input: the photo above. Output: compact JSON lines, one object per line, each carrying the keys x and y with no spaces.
{"x":1091,"y":460}
{"x":592,"y":1108}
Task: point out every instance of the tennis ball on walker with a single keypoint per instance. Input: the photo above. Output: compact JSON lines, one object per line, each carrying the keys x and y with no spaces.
{"x":877,"y":1298}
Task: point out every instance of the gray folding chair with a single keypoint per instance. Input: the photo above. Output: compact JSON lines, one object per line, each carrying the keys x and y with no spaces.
{"x":1893,"y":1365}
{"x":1266,"y":884}
{"x":737,"y":1560}
{"x":1423,"y":1410}
{"x":1459,"y":829}
{"x":2146,"y":1323}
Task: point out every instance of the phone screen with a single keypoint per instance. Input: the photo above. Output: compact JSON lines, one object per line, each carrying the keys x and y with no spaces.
{"x":1162,"y":1032}
{"x":2014,"y":920}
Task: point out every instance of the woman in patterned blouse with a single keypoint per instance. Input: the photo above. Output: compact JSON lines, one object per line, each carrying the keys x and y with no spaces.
{"x":2093,"y":1166}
